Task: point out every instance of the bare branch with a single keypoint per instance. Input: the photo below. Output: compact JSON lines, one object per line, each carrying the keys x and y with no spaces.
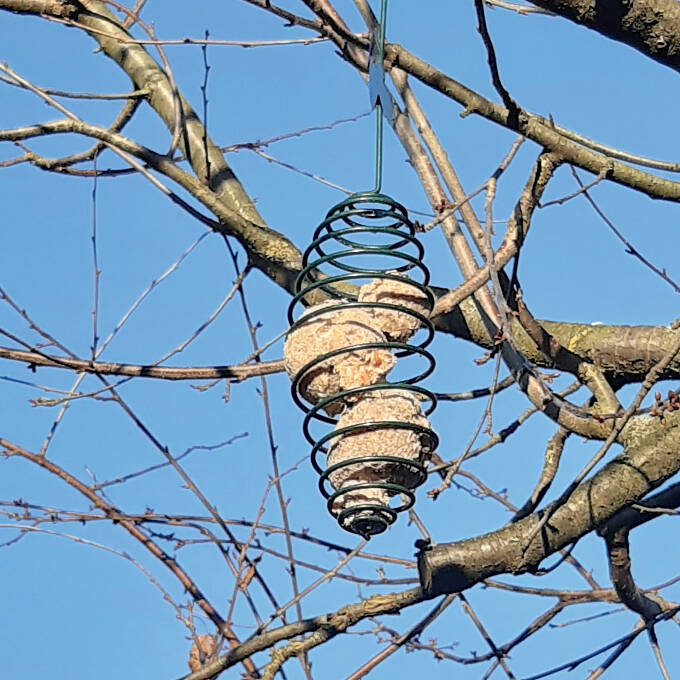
{"x":618,"y":552}
{"x":238,"y":372}
{"x":321,"y":629}
{"x":404,"y":639}
{"x":168,"y":561}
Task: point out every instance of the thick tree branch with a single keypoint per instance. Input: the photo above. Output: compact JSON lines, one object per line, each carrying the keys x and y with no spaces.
{"x":268,"y":249}
{"x":50,"y":8}
{"x":650,"y":457}
{"x":649,"y":26}
{"x":625,"y":352}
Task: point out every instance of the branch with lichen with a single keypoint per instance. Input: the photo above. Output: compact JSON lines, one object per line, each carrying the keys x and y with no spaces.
{"x":650,"y":26}
{"x":321,"y":629}
{"x":650,"y":457}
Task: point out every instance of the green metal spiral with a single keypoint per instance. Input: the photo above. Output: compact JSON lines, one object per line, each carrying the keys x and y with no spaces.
{"x":341,"y":254}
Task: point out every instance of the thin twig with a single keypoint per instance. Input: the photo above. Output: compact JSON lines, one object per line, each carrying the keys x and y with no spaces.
{"x":304,"y":661}
{"x":500,"y":656}
{"x":95,"y":271}
{"x":397,"y":644}
{"x":510,"y":104}
{"x":630,"y":249}
{"x":190,"y":41}
{"x":476,"y":393}
{"x":134,"y":94}
{"x":516,"y":7}
{"x":654,"y":642}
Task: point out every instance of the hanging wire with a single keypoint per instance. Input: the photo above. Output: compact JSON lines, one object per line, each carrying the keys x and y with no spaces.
{"x":378,"y":149}
{"x":377,"y":90}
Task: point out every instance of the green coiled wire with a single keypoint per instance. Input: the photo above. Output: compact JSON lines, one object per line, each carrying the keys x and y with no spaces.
{"x":373,"y":229}
{"x":377,"y":216}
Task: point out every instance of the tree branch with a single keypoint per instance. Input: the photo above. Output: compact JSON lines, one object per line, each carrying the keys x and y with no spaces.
{"x":167,"y":560}
{"x":236,"y":372}
{"x":650,"y":457}
{"x":649,"y":26}
{"x":322,"y":629}
{"x":535,"y":127}
{"x":268,"y":249}
{"x":618,"y":552}
{"x":53,"y":8}
{"x":544,"y":132}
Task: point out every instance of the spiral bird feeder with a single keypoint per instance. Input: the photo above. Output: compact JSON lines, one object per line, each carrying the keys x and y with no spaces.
{"x":365,"y":264}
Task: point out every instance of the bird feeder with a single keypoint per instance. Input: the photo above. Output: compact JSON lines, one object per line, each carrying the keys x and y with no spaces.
{"x":361,"y":299}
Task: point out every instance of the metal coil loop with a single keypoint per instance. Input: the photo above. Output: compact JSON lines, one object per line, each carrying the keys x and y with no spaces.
{"x":366,"y":240}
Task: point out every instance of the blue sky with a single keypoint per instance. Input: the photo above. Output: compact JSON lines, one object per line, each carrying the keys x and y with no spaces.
{"x":72,"y":608}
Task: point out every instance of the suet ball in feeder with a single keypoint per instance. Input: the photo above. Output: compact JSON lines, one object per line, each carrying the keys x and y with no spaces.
{"x":396,"y":325}
{"x":333,"y":330}
{"x":386,"y":443}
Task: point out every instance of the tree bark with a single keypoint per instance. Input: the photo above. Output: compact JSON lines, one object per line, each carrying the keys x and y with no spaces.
{"x":649,"y":26}
{"x":651,"y":456}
